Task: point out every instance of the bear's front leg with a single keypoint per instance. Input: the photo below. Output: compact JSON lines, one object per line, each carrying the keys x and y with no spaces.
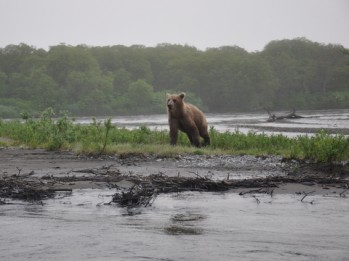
{"x":173,"y":132}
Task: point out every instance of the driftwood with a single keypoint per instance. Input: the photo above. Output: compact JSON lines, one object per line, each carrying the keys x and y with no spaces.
{"x":292,"y":115}
{"x":138,"y":196}
{"x":137,"y":190}
{"x":18,"y":188}
{"x":144,"y":193}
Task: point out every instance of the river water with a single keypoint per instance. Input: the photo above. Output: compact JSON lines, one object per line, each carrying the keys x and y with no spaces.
{"x":329,"y":120}
{"x":186,"y":226}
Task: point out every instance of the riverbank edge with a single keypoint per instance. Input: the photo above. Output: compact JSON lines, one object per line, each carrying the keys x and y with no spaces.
{"x":300,"y":177}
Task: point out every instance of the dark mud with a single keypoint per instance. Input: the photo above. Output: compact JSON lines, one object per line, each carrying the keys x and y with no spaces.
{"x":38,"y":174}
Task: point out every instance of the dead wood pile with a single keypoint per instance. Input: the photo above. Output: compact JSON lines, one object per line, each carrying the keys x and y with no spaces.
{"x":142,"y":190}
{"x":145,"y":190}
{"x":19,"y":188}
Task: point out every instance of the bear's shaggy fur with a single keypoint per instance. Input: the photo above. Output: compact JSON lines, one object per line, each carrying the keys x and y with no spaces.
{"x":187,"y":118}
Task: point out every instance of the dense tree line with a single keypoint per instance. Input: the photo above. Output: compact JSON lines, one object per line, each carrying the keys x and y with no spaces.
{"x":114,"y":80}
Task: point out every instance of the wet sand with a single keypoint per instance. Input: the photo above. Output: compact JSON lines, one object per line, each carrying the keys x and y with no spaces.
{"x":66,"y":170}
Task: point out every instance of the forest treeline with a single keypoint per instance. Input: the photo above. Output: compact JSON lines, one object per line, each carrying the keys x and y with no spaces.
{"x":120,"y":80}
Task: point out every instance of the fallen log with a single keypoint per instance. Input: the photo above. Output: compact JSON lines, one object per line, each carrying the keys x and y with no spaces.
{"x":291,"y":115}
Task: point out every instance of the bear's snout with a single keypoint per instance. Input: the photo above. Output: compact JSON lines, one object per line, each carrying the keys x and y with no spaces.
{"x":170,"y":104}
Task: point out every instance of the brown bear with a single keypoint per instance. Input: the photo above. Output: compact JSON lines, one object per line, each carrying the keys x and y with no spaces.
{"x":187,"y":118}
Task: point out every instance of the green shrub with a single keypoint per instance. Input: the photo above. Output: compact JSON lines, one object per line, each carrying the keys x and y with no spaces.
{"x":324,"y":147}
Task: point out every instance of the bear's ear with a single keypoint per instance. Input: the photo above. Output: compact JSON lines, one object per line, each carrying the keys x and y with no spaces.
{"x":168,"y":95}
{"x":182,"y":95}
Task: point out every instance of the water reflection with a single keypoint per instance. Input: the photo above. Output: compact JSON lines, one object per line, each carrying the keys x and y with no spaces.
{"x":185,"y":224}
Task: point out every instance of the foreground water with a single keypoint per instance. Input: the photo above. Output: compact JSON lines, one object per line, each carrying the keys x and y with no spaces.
{"x":187,"y":226}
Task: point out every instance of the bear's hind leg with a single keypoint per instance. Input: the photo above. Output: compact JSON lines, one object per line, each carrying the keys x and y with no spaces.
{"x":192,"y":132}
{"x":194,"y":140}
{"x":207,"y":141}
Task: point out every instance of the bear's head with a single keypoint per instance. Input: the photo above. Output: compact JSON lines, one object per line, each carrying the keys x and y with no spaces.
{"x":174,"y":103}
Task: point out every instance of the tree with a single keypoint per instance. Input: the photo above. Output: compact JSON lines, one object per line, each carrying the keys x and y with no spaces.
{"x":43,"y":91}
{"x":122,"y":80}
{"x":62,"y":60}
{"x":108,"y":58}
{"x":12,"y":56}
{"x":140,"y":95}
{"x":3,"y":84}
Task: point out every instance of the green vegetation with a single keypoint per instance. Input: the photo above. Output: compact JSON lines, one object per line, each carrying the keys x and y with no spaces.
{"x":104,"y":138}
{"x":116,"y":80}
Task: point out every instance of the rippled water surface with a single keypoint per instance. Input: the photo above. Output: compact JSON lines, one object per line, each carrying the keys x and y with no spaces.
{"x":187,"y":226}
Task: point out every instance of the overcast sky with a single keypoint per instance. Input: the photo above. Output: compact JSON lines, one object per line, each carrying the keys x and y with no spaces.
{"x":249,"y":24}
